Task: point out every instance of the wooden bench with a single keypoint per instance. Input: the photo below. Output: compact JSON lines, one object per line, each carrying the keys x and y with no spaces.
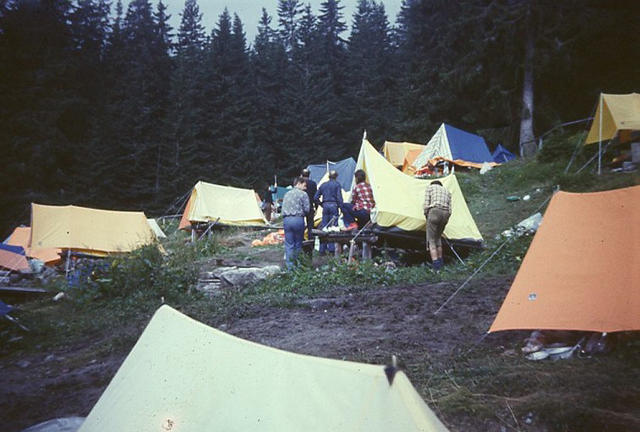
{"x":339,"y":238}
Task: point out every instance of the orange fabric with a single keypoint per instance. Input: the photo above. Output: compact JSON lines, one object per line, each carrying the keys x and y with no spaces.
{"x":21,"y":236}
{"x":184,"y":221}
{"x":273,"y":238}
{"x":458,"y":162}
{"x":410,"y":157}
{"x":13,"y":261}
{"x":582,"y":270}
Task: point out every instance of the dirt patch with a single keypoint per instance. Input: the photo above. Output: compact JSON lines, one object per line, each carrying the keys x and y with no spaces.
{"x":378,"y":323}
{"x":369,"y":326}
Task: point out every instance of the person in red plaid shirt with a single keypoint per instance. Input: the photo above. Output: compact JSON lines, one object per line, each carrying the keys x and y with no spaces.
{"x":361,"y":203}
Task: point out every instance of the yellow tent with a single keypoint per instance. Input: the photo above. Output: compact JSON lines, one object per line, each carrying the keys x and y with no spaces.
{"x":225,"y":204}
{"x":399,"y":198}
{"x":395,"y":152}
{"x":97,"y":232}
{"x":614,"y":113}
{"x":184,"y":376}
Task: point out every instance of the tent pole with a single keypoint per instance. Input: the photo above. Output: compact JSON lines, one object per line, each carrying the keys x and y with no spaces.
{"x":66,"y":270}
{"x":592,"y":158}
{"x":211,"y":225}
{"x":600,"y":137}
{"x":454,"y":252}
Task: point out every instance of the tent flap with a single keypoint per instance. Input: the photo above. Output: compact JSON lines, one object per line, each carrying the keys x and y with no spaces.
{"x":396,"y":152}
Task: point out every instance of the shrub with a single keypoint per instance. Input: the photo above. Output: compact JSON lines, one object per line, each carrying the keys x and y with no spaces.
{"x":143,"y":273}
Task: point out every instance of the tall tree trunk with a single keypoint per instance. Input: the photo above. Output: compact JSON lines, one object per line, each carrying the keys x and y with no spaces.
{"x":527,"y":138}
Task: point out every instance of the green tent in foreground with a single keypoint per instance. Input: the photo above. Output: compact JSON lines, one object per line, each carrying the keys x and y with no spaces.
{"x":183,"y":376}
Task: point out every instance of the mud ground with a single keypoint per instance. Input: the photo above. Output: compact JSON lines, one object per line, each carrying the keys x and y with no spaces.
{"x":363,"y":326}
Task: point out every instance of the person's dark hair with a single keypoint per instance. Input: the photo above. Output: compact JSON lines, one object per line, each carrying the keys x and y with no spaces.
{"x":436,"y":182}
{"x":306,"y":173}
{"x":360,"y":176}
{"x":333,"y":174}
{"x":299,"y":180}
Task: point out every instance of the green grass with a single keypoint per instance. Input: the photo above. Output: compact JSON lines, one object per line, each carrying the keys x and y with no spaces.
{"x":487,"y":384}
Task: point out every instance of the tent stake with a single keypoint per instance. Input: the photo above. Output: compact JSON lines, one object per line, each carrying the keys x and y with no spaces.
{"x":471,"y":277}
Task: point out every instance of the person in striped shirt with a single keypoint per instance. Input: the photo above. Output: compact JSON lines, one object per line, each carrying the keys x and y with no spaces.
{"x":362,"y":202}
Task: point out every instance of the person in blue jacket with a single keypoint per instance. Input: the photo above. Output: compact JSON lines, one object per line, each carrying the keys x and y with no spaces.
{"x":329,"y":196}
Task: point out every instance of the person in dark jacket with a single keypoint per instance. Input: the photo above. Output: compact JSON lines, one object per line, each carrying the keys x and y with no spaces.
{"x":331,"y":194}
{"x":312,"y":188}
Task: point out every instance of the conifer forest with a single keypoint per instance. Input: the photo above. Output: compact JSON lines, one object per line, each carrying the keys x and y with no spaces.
{"x":104,"y":104}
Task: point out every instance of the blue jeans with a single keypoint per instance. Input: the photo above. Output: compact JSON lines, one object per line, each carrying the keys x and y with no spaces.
{"x":329,"y":212}
{"x":350,"y":215}
{"x":293,"y":235}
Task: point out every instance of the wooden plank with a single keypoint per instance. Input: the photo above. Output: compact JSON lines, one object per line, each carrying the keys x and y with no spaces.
{"x":22,"y":290}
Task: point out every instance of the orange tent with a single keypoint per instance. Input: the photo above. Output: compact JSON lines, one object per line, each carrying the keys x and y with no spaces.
{"x":409,"y":158}
{"x":21,"y":236}
{"x":13,"y":261}
{"x":582,"y":270}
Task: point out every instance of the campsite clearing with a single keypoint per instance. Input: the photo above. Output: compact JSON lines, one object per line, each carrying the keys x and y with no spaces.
{"x":472,"y":384}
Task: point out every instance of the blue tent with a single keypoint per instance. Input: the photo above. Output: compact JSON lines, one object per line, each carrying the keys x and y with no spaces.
{"x":345,"y":169}
{"x":502,"y":155}
{"x":454,"y":144}
{"x":281,"y":192}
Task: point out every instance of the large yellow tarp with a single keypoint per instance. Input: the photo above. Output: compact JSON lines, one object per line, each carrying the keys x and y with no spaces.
{"x":618,"y":112}
{"x":88,"y":230}
{"x":184,"y":376}
{"x":395,"y":152}
{"x":21,"y":236}
{"x":225,"y":204}
{"x":582,"y":270}
{"x":399,"y":198}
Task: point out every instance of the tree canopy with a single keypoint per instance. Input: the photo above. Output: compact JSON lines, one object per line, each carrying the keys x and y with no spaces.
{"x":104,"y":104}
